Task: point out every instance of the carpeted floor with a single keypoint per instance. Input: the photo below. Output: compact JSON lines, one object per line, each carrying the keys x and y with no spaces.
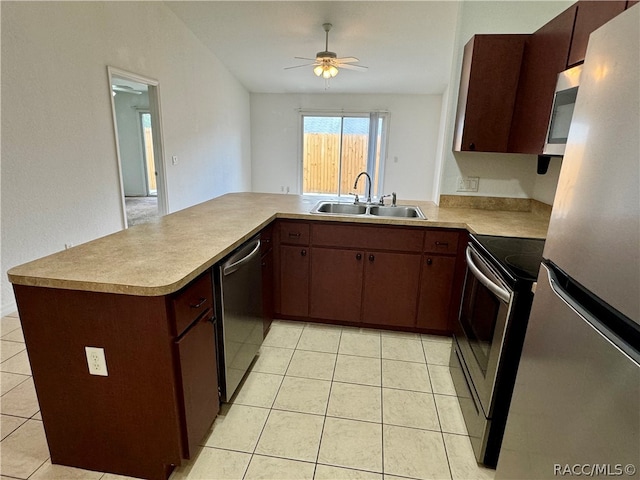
{"x":141,"y":209}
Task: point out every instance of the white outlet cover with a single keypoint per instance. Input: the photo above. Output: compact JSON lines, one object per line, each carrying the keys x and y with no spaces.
{"x":96,"y":361}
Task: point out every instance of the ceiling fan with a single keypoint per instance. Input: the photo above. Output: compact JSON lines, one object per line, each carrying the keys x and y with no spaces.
{"x":326,"y":63}
{"x":125,"y":89}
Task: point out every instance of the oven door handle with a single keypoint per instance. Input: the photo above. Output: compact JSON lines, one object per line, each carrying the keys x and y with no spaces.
{"x":497,"y":290}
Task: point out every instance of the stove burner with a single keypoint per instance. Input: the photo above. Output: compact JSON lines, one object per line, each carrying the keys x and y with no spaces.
{"x":518,"y":257}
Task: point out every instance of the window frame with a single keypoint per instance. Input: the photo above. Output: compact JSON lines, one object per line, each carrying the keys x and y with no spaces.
{"x":376,"y":188}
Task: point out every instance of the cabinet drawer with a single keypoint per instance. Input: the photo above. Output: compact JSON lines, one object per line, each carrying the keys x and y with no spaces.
{"x":190,"y":302}
{"x":441,"y":241}
{"x":296,"y":233}
{"x":367,"y":237}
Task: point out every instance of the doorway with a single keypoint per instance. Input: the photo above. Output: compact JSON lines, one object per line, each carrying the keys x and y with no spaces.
{"x":136,"y":116}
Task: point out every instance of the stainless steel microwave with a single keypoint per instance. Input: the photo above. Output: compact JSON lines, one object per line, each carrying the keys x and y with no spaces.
{"x":564,"y":101}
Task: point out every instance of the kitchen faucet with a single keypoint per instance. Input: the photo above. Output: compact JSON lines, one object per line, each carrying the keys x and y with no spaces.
{"x":355,"y":185}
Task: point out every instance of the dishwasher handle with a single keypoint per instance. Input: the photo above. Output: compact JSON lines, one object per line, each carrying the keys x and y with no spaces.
{"x":232,"y":264}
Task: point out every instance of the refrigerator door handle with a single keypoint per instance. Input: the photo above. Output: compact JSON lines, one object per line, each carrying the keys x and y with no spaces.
{"x":593,"y":321}
{"x":496,"y":289}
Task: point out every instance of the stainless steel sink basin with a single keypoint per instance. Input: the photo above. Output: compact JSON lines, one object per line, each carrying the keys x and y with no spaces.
{"x":337,"y":208}
{"x":340,"y":208}
{"x":403,"y":211}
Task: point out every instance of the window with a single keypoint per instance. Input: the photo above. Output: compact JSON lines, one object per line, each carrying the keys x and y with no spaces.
{"x":335,"y":149}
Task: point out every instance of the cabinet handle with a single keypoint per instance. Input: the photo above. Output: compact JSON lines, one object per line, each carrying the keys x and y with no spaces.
{"x":201,"y":302}
{"x":372,"y":258}
{"x":442,"y":244}
{"x":294,"y":234}
{"x":472,"y":146}
{"x":303,"y":253}
{"x":358,"y":256}
{"x":429,"y":261}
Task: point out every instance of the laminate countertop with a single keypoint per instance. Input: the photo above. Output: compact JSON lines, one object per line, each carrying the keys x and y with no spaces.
{"x":161,"y":257}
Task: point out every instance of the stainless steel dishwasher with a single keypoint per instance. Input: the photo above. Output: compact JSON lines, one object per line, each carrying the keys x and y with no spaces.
{"x":239,"y":285}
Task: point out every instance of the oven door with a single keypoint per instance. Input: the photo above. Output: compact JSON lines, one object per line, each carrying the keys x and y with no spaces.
{"x":483,"y":319}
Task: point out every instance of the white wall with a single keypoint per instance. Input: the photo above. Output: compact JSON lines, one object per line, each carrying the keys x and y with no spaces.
{"x":130,"y":141}
{"x":59,"y":170}
{"x":501,"y":175}
{"x":413,"y":138}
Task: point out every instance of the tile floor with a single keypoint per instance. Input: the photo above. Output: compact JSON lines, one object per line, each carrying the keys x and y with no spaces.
{"x":321,"y":402}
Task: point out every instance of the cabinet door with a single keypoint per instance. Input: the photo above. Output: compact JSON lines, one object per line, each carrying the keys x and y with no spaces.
{"x":294,"y":281}
{"x":336,"y":284}
{"x":488,"y":85}
{"x":545,"y":56}
{"x":199,"y":374}
{"x":391,"y":288}
{"x":436,"y":288}
{"x":591,"y":16}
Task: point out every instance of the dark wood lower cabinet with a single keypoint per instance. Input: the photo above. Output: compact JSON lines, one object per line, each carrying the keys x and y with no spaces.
{"x":436,"y":288}
{"x":160,"y":395}
{"x":199,"y":380}
{"x":336,"y":284}
{"x":294,"y":281}
{"x":391,"y":288}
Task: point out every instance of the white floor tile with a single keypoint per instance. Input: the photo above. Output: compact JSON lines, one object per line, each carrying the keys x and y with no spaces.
{"x":351,"y":444}
{"x":9,"y":381}
{"x":355,"y":402}
{"x":328,"y":472}
{"x":49,"y":471}
{"x":451,"y":419}
{"x":409,"y":409}
{"x":312,"y":365}
{"x":320,"y":339}
{"x":283,"y":335}
{"x":21,"y":401}
{"x":9,"y":349}
{"x":24,"y":450}
{"x":270,"y":468}
{"x":237,"y":427}
{"x":272,"y":360}
{"x":361,"y":370}
{"x":9,"y":324}
{"x":15,"y":336}
{"x":405,"y":375}
{"x":17,"y":364}
{"x":413,"y":453}
{"x":437,"y":353}
{"x":441,"y":381}
{"x":304,"y":395}
{"x":213,"y":463}
{"x":405,"y":349}
{"x":462,"y":460}
{"x":258,"y":390}
{"x":9,"y":424}
{"x":291,"y":435}
{"x":360,"y":344}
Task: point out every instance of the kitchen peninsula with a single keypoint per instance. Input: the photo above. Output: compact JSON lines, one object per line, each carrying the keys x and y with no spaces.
{"x":144,"y":296}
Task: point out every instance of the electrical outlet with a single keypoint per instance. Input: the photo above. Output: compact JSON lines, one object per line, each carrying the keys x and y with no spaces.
{"x":96,"y":361}
{"x":468,"y":184}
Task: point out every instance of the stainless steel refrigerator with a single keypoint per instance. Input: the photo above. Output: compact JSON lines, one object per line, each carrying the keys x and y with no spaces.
{"x":576,"y":404}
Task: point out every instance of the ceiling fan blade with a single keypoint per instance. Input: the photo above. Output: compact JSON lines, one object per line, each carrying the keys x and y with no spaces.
{"x":360,"y":68}
{"x":347,"y":60}
{"x":305,"y":58}
{"x":298,"y":66}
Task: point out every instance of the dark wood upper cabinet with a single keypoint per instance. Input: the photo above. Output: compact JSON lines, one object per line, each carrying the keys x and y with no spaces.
{"x":591,"y":16}
{"x":545,"y":55}
{"x":488,"y":85}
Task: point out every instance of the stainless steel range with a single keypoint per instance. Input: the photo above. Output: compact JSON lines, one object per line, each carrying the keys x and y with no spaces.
{"x":490,"y":332}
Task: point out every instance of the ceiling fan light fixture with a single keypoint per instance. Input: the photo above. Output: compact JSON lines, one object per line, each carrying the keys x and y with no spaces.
{"x":333,"y":71}
{"x":318,"y":70}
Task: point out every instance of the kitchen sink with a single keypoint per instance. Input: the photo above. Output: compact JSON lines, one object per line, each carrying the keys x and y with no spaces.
{"x":398,"y":211}
{"x":337,"y":208}
{"x":340,"y":208}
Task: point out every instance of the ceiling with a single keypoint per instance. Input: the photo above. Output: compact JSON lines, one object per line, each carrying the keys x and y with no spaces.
{"x":408,"y":46}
